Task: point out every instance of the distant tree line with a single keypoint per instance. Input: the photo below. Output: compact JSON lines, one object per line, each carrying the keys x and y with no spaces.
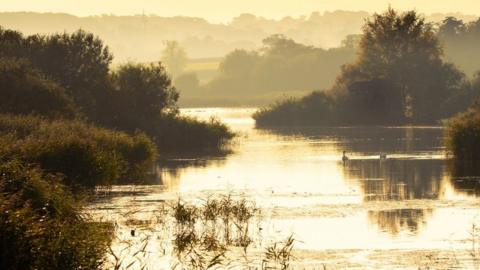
{"x":281,"y":65}
{"x":398,"y":77}
{"x":285,"y":66}
{"x":461,"y":43}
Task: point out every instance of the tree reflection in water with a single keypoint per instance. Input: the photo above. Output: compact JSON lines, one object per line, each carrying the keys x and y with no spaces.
{"x":396,"y":180}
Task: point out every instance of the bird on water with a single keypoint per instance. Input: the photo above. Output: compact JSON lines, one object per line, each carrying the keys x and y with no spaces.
{"x":344,"y":157}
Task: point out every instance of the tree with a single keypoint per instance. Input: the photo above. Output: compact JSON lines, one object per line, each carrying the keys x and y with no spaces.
{"x":12,"y":44}
{"x":79,"y":62}
{"x":402,"y":50}
{"x":174,"y":57}
{"x":142,"y":93}
{"x":451,"y":27}
{"x":25,"y":91}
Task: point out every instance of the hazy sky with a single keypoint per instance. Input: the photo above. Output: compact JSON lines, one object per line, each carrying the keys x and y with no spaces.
{"x":224,"y":10}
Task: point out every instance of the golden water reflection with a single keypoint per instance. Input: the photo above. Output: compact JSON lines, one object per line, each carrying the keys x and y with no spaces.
{"x":412,"y":199}
{"x":302,"y":168}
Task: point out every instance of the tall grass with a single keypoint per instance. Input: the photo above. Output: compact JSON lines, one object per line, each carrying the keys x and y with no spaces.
{"x":84,"y":154}
{"x":40,"y":224}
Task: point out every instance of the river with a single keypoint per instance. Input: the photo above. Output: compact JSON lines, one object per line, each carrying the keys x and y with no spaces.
{"x":409,"y":210}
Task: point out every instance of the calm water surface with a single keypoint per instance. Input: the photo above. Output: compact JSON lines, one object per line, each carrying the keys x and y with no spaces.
{"x":399,"y":212}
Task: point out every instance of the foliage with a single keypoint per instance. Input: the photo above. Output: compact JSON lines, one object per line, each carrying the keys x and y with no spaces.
{"x":40,"y":224}
{"x":85,"y":154}
{"x":145,"y":100}
{"x":25,"y":91}
{"x":79,"y":62}
{"x":314,"y":109}
{"x":188,"y":135}
{"x":140,"y":94}
{"x":402,"y":50}
{"x":463,"y":135}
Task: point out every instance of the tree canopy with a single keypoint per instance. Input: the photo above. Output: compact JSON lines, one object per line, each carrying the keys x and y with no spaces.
{"x":400,"y":66}
{"x":141,"y":93}
{"x":79,"y":62}
{"x":25,"y":91}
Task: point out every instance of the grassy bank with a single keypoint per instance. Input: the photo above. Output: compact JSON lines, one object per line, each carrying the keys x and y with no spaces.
{"x":86,"y":155}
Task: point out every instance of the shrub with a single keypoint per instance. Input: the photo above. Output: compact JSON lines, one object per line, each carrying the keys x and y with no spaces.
{"x":187,"y":134}
{"x":85,"y":154}
{"x":40,"y":224}
{"x":313,"y":109}
{"x":463,"y":135}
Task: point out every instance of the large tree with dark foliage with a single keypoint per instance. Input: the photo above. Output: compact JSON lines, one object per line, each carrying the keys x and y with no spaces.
{"x":24,"y":90}
{"x":79,"y":62}
{"x":400,"y":71}
{"x":141,"y":94}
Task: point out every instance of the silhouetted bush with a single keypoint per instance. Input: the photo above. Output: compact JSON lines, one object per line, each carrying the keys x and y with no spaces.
{"x":463,"y":135}
{"x":41,"y":226}
{"x":189,"y":135}
{"x":314,"y":109}
{"x":24,"y":91}
{"x":140,"y":94}
{"x":85,"y":154}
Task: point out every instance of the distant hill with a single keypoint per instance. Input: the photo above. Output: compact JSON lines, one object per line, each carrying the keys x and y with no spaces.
{"x":141,"y":38}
